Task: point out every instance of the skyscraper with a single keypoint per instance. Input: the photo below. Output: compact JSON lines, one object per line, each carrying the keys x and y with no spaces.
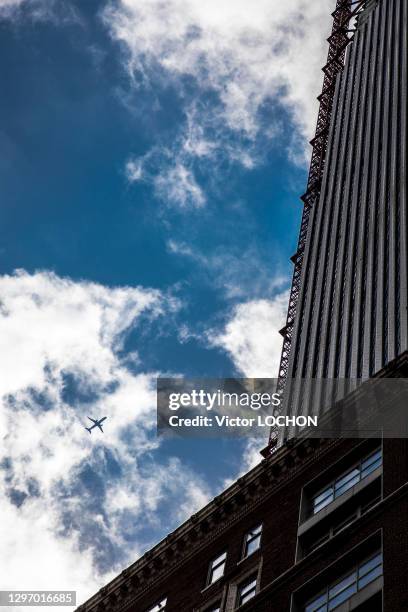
{"x":351,"y":301}
{"x":320,"y":525}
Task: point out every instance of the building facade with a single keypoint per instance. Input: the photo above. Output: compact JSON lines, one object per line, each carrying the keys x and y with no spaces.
{"x":351,"y":317}
{"x":320,"y":525}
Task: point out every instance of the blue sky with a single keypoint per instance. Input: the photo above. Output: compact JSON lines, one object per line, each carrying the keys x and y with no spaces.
{"x":151,"y":161}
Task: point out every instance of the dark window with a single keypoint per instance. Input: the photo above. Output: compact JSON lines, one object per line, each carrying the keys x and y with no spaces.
{"x":246,"y":591}
{"x":159,"y":607}
{"x":346,"y":481}
{"x":314,"y":542}
{"x":345,"y":522}
{"x":252,"y":541}
{"x":217,"y":568}
{"x":370,"y":503}
{"x":341,"y":590}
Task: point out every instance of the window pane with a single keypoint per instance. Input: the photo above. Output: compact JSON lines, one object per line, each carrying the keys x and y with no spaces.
{"x":370,"y":468}
{"x":219,"y":559}
{"x":343,"y":596}
{"x":317,"y":604}
{"x":217,"y":572}
{"x":322,"y":500}
{"x":253,"y":545}
{"x":367,"y":578}
{"x":248,"y":587}
{"x":322,"y":505}
{"x":247,"y":597}
{"x":217,"y":568}
{"x":347,"y":486}
{"x":339,"y":586}
{"x":323,"y":496}
{"x":252,"y":540}
{"x":346,"y":482}
{"x":246,"y":592}
{"x":349,"y":476}
{"x":374,"y":458}
{"x":344,"y":589}
{"x":370,"y":570}
{"x":370,"y":564}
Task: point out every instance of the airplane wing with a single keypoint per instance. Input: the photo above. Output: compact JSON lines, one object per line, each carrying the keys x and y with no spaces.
{"x":93,"y":420}
{"x":100,"y":427}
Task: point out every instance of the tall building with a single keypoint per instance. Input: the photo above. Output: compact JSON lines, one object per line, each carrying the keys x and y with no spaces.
{"x":348,"y":315}
{"x":320,"y":525}
{"x":351,"y":316}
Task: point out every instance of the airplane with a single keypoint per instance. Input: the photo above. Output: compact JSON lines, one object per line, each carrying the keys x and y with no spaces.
{"x":96,"y":423}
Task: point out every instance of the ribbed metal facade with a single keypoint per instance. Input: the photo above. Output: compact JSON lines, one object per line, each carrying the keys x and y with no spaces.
{"x":351,"y":316}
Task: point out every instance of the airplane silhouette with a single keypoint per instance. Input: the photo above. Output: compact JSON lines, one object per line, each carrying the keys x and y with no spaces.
{"x":96,"y":423}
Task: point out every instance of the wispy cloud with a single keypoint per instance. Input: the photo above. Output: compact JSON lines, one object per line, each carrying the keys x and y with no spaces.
{"x":238,"y":273}
{"x":86,"y":503}
{"x":232,"y":63}
{"x":55,"y":11}
{"x":203,"y":145}
{"x":250,"y":336}
{"x":175,"y":184}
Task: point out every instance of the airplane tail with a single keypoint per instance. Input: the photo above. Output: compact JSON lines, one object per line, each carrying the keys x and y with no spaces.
{"x":88,"y":429}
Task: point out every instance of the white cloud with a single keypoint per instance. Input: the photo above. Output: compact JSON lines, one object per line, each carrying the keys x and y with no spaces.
{"x":80,"y":502}
{"x":247,"y":57}
{"x":32,"y":557}
{"x":250,"y":337}
{"x":238,"y":273}
{"x":178,"y":185}
{"x":50,"y":320}
{"x":247,"y":53}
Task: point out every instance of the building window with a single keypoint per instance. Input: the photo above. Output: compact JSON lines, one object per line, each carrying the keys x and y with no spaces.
{"x":217,"y":568}
{"x":365,"y":467}
{"x":343,"y":589}
{"x":246,"y":591}
{"x":252,"y":541}
{"x":340,"y":519}
{"x":159,"y":607}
